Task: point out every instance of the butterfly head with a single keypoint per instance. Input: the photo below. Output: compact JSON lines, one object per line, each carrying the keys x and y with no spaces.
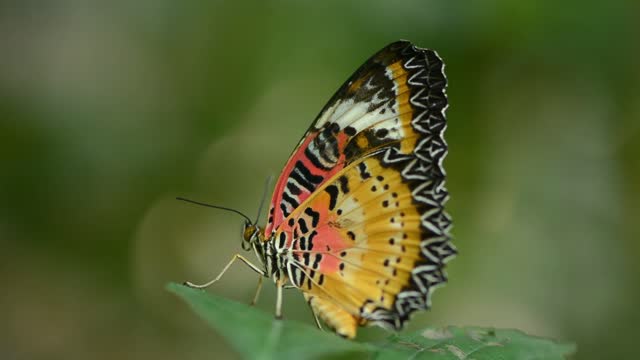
{"x":250,"y":235}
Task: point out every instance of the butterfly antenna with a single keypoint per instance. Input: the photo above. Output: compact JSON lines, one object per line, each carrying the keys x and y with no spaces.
{"x":215,"y":207}
{"x":267,"y":183}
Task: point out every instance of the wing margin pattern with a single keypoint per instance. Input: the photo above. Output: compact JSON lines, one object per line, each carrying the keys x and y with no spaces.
{"x":416,"y":152}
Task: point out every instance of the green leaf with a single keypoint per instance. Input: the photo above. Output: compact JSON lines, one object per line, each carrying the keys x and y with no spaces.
{"x":257,"y":335}
{"x":457,"y":343}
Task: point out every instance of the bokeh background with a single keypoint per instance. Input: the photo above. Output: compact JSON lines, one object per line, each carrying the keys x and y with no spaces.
{"x":108,"y":110}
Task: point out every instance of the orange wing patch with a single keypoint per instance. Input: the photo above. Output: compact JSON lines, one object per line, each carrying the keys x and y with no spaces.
{"x":405,"y":110}
{"x":367,"y":244}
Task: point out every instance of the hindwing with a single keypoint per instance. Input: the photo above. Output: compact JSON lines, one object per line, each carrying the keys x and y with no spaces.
{"x":364,"y":244}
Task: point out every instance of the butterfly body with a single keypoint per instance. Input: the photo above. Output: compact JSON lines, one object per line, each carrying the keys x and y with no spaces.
{"x":357,"y":220}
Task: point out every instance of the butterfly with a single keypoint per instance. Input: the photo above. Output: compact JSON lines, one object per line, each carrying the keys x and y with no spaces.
{"x":357,"y":220}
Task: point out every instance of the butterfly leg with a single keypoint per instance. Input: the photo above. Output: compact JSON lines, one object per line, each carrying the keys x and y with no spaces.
{"x":315,"y":317}
{"x":279,"y":286}
{"x":235,"y":257}
{"x":309,"y":299}
{"x":255,"y":297}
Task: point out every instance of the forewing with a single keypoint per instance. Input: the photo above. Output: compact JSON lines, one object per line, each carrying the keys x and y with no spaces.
{"x":395,"y":100}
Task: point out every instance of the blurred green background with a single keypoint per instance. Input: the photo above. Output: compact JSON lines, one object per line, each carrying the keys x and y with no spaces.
{"x":108,"y":110}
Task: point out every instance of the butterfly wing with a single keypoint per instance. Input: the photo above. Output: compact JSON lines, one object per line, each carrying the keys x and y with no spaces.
{"x":369,"y":240}
{"x":385,"y":103}
{"x":370,"y":243}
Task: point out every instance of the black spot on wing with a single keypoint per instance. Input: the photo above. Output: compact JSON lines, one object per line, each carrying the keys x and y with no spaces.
{"x":317,"y":260}
{"x":293,"y":202}
{"x":293,"y":189}
{"x":332,"y":190}
{"x":382,"y":133}
{"x":315,"y":216}
{"x":310,"y":239}
{"x":304,"y":177}
{"x":344,"y":184}
{"x":314,"y":159}
{"x":302,"y":224}
{"x":362,"y":169}
{"x":312,"y":273}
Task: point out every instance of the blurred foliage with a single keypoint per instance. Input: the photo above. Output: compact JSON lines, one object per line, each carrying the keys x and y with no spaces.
{"x":108,"y":110}
{"x":257,"y":335}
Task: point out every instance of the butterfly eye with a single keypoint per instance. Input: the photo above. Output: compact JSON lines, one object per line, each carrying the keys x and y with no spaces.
{"x":249,"y":231}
